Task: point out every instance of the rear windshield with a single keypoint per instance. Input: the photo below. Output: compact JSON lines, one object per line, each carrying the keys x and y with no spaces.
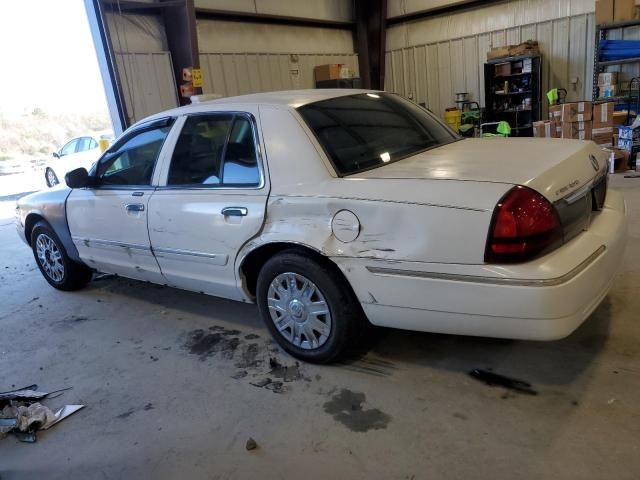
{"x":365,"y":131}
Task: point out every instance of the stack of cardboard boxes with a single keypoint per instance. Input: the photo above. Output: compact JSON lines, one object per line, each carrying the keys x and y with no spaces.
{"x":579,"y":120}
{"x":602,"y":126}
{"x":610,"y":11}
{"x":572,"y":120}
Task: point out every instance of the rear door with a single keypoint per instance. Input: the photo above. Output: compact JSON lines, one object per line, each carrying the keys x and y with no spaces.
{"x":211,"y":200}
{"x":108,"y":222}
{"x":87,"y":152}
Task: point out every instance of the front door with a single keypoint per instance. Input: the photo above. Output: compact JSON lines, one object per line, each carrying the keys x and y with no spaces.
{"x":211,"y":203}
{"x":108,"y":223}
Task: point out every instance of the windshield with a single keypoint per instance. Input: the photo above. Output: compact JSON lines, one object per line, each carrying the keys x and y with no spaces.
{"x":364,"y":131}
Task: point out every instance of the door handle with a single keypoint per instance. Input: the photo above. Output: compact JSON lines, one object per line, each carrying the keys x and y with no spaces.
{"x":134,"y":207}
{"x":234,"y":212}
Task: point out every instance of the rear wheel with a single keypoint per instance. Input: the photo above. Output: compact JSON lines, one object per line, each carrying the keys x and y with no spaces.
{"x":308,"y":307}
{"x":55,"y":265}
{"x":51,"y":177}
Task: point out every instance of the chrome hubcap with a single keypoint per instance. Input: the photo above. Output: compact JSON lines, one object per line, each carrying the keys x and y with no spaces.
{"x":50,"y":257}
{"x":299,"y":310}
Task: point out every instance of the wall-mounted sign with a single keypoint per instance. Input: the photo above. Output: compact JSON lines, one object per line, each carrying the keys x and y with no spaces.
{"x":196,"y":77}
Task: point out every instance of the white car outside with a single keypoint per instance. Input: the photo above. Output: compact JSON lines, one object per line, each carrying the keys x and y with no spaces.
{"x":334,"y":208}
{"x":79,"y":152}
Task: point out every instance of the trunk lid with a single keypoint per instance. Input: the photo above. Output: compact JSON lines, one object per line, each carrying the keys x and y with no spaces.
{"x":554,"y":167}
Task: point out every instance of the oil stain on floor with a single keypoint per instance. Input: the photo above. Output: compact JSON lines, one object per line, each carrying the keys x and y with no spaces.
{"x":206,"y":344}
{"x":257,"y":362}
{"x":347,"y":408}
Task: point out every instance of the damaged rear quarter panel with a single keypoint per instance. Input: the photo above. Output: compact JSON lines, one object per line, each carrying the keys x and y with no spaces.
{"x":390,"y":231}
{"x":420,"y":220}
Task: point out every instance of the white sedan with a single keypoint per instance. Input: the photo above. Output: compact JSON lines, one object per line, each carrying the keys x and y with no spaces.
{"x":79,"y":152}
{"x":334,"y":208}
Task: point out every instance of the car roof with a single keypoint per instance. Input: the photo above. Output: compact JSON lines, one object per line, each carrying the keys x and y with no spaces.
{"x":286,"y":98}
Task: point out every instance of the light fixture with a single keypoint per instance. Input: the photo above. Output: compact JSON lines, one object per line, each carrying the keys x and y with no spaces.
{"x":373,"y":95}
{"x":385,"y":157}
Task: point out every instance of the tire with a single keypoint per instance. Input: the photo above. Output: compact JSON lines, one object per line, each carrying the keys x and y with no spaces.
{"x":51,"y":178}
{"x":344,"y":315}
{"x":55,"y":265}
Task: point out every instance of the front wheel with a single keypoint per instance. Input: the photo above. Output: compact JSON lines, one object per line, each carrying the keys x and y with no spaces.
{"x":55,"y":265}
{"x":51,"y":177}
{"x":308,"y":307}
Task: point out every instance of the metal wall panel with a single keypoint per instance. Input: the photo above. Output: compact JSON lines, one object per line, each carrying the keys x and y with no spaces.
{"x":229,"y":74}
{"x":148,"y":83}
{"x":136,"y":33}
{"x":457,"y":64}
{"x":247,"y":37}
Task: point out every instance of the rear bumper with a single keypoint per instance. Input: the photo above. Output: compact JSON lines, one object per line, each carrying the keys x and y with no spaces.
{"x":541,"y":300}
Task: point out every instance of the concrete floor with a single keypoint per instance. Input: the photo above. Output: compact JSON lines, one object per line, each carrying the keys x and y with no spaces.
{"x":156,"y":367}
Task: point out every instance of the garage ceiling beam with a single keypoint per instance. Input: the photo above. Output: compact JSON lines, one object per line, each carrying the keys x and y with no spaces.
{"x":251,"y":17}
{"x":431,"y":12}
{"x":370,"y":41}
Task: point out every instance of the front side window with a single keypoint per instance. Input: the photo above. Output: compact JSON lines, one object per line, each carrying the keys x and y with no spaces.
{"x":69,"y":148}
{"x":132,"y":161}
{"x":215,"y":149}
{"x":364,"y":131}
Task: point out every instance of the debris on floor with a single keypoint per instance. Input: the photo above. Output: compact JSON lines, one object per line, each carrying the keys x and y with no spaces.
{"x":497,"y":380}
{"x":22,"y":414}
{"x":251,"y":444}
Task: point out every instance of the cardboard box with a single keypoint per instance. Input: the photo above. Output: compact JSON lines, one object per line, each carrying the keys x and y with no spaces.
{"x":502,"y":69}
{"x":529,"y":47}
{"x":577,"y":130}
{"x":539,"y":128}
{"x":624,"y":10}
{"x":603,"y":115}
{"x":545,"y":128}
{"x":602,"y":136}
{"x":619,"y":118}
{"x":607,"y":91}
{"x":623,"y":164}
{"x":628,"y":133}
{"x":604,"y":11}
{"x":620,"y":159}
{"x":331,"y":71}
{"x":607,"y":78}
{"x":628,"y":145}
{"x":576,"y":111}
{"x":555,"y":113}
{"x":498,"y":52}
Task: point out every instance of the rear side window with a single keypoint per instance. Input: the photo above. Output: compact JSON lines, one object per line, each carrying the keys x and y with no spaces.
{"x":84,"y":144}
{"x":215,"y":149}
{"x":365,"y":131}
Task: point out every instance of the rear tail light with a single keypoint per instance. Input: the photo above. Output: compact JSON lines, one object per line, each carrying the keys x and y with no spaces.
{"x":524,"y":224}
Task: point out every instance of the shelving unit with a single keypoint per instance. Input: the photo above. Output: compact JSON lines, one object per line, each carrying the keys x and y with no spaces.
{"x":511,"y":106}
{"x":599,"y":66}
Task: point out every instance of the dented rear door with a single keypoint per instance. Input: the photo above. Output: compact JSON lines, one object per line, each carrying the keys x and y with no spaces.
{"x":211,"y":201}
